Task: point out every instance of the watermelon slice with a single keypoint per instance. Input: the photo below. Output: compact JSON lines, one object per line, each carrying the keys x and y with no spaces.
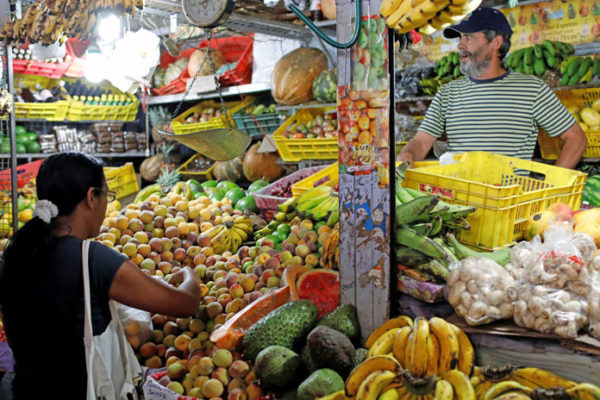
{"x":322,"y":287}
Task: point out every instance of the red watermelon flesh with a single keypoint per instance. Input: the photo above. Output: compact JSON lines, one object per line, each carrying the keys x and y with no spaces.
{"x":322,"y":287}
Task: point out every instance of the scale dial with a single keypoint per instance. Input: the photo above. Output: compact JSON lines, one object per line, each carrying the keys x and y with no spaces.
{"x":207,"y":13}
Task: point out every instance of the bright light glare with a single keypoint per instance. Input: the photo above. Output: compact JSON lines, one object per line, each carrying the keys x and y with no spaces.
{"x":109,"y":28}
{"x":95,"y":68}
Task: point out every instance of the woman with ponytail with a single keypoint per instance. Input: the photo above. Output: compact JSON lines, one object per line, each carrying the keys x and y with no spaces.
{"x":41,"y":280}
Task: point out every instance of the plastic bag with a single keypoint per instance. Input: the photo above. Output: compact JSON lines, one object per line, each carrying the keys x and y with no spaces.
{"x":594,"y":302}
{"x":137,"y":324}
{"x":480,"y":290}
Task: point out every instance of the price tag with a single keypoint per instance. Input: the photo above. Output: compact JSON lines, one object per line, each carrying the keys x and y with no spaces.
{"x":202,"y":84}
{"x":173,"y":23}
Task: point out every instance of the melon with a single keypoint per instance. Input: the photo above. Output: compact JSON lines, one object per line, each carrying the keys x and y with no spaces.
{"x":228,"y":170}
{"x":294,"y":73}
{"x":322,"y":287}
{"x":261,"y":165}
{"x":150,"y":168}
{"x":197,"y":58}
{"x":329,"y":9}
{"x":325,"y":86}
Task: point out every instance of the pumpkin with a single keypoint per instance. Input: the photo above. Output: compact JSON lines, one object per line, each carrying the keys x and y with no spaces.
{"x":294,"y":73}
{"x":261,"y":165}
{"x":228,"y":170}
{"x":328,"y":8}
{"x":150,"y":168}
{"x":197,"y":58}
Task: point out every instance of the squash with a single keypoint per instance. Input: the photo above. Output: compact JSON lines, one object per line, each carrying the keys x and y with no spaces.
{"x":150,"y":168}
{"x":228,"y":170}
{"x":261,"y":165}
{"x":197,"y":58}
{"x":328,"y":8}
{"x":294,"y":73}
{"x":174,"y":70}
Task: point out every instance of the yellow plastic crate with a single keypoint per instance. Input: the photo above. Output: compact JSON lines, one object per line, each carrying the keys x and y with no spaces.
{"x":79,"y":111}
{"x":200,"y":176}
{"x":56,"y":111}
{"x":504,"y":199}
{"x":550,"y":148}
{"x":179,"y":126}
{"x":305,"y":149}
{"x":122,"y":180}
{"x":328,"y":176}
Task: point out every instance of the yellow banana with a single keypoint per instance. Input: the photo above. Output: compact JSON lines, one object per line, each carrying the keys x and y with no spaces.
{"x":427,"y":29}
{"x":388,"y":7}
{"x":418,"y":355}
{"x":339,"y":395}
{"x":464,"y":9}
{"x":383,"y":344}
{"x":445,"y":16}
{"x":536,"y":378}
{"x":389,"y":394}
{"x":466,"y":353}
{"x":214,"y":231}
{"x":410,"y":342}
{"x":399,"y":346}
{"x":483,"y":379}
{"x":397,"y":322}
{"x":584,"y":391}
{"x":504,"y":387}
{"x":443,"y":391}
{"x":400,"y":12}
{"x":414,"y":19}
{"x":364,"y":369}
{"x":449,"y":346}
{"x":437,"y":23}
{"x":371,"y":387}
{"x":433,"y":355}
{"x":463,"y":390}
{"x":514,"y":395}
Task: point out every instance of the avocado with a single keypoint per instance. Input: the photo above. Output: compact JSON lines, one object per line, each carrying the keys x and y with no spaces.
{"x":276,"y":367}
{"x":331,"y":349}
{"x":309,"y":364}
{"x":291,"y":395}
{"x":360,"y":355}
{"x":343,"y":319}
{"x":285,"y":326}
{"x":320,"y":383}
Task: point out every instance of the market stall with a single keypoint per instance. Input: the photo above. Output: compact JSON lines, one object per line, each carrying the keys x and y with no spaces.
{"x":242,"y":144}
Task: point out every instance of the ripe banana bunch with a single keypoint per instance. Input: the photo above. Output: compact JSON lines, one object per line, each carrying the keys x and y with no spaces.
{"x":427,"y":16}
{"x":229,"y":235}
{"x":148,"y":191}
{"x":330,"y":254}
{"x":6,"y":102}
{"x":47,"y":21}
{"x":318,"y":204}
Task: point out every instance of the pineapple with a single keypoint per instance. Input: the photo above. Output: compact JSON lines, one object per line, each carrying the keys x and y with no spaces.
{"x":168,"y":178}
{"x":166,"y":151}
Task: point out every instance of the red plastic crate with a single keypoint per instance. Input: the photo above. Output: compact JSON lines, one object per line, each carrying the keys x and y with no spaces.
{"x":51,"y":70}
{"x":234,"y":48}
{"x":25,"y":173}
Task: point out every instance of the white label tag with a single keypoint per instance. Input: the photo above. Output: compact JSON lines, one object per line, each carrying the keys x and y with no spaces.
{"x":173,"y":23}
{"x":18,"y":10}
{"x":203,"y":84}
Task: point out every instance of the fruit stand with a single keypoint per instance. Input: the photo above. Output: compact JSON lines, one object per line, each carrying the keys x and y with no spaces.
{"x":328,"y":270}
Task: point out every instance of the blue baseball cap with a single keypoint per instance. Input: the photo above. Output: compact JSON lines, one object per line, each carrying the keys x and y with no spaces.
{"x":479,"y":20}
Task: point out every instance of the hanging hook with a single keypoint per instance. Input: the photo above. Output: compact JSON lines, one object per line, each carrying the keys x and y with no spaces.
{"x":327,"y":39}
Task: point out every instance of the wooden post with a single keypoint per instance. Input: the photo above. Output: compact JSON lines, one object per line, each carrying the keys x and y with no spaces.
{"x":365,"y":153}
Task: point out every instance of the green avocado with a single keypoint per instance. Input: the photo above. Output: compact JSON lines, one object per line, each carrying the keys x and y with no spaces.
{"x":276,"y":367}
{"x":331,"y":349}
{"x":343,"y":319}
{"x":319,"y":384}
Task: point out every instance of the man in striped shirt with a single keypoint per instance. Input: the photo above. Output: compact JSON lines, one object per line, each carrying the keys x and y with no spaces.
{"x":493,"y":109}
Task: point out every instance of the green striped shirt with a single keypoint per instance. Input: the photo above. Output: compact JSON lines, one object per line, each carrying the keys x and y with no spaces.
{"x":499,"y":115}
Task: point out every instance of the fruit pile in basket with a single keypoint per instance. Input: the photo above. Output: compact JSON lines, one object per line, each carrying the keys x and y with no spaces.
{"x":204,"y":115}
{"x":321,"y":126}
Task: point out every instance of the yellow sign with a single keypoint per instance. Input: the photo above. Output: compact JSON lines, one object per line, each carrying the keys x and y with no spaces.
{"x":560,"y":20}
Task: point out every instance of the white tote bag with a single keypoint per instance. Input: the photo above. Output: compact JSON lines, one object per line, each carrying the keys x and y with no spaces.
{"x":110,"y":361}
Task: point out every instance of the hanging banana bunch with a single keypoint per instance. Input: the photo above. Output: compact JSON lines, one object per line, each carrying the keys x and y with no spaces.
{"x":427,"y":16}
{"x":47,"y":21}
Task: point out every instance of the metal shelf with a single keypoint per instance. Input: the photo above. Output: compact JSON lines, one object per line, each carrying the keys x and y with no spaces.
{"x":228,"y":91}
{"x":66,"y":121}
{"x":300,"y":106}
{"x":414,"y":98}
{"x":101,"y":155}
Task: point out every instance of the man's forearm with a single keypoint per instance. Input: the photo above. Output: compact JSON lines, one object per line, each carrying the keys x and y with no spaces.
{"x":573,"y":148}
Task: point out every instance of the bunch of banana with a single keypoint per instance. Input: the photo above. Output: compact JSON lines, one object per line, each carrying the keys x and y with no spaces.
{"x":47,"y":21}
{"x":330,"y":255}
{"x":148,"y":191}
{"x":229,"y":235}
{"x":587,"y":117}
{"x":427,"y":16}
{"x":576,"y":69}
{"x":513,"y":390}
{"x":536,"y":59}
{"x":318,"y":204}
{"x":447,"y":69}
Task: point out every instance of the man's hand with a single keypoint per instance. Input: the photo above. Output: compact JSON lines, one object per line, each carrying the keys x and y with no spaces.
{"x":417,"y":148}
{"x":184,"y":274}
{"x":574,"y":147}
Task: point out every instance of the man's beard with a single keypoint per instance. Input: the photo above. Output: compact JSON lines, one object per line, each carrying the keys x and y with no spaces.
{"x":473,"y":67}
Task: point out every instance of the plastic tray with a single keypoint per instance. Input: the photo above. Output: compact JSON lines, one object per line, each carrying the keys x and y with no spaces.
{"x":179,"y":126}
{"x":246,"y":123}
{"x":504,"y":197}
{"x":122,"y":180}
{"x":234,"y":49}
{"x":79,"y":111}
{"x":56,"y":111}
{"x":39,"y":68}
{"x":305,"y":149}
{"x":25,"y":173}
{"x":267,"y":203}
{"x":200,"y":176}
